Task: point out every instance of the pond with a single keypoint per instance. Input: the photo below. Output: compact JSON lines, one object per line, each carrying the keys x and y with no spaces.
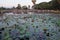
{"x":31,"y":26}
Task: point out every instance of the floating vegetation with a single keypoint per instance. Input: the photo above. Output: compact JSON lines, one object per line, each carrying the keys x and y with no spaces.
{"x":58,"y":23}
{"x":30,"y":27}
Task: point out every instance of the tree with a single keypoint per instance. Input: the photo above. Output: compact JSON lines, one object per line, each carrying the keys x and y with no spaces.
{"x":19,"y":6}
{"x":36,"y":6}
{"x":56,"y":4}
{"x":33,"y":1}
{"x":43,"y":5}
{"x":53,"y":4}
{"x":58,"y":1}
{"x":13,"y":7}
{"x":3,"y":8}
{"x":24,"y":7}
{"x":28,"y":6}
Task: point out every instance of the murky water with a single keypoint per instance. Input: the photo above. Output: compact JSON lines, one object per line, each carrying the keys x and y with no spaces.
{"x":30,"y":26}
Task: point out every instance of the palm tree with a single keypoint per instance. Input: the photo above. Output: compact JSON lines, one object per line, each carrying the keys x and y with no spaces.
{"x":33,"y":1}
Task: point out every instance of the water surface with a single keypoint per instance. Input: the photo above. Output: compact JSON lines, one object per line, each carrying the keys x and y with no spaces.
{"x":31,"y":25}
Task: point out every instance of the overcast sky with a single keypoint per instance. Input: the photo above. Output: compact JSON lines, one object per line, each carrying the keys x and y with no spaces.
{"x":11,"y":3}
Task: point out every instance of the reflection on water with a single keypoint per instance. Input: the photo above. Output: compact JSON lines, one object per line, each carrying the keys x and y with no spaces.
{"x":30,"y":26}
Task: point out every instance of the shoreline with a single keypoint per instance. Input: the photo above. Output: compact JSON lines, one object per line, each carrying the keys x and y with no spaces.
{"x":31,"y":10}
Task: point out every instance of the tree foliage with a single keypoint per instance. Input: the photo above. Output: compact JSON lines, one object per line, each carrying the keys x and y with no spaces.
{"x":24,"y":7}
{"x":53,"y":4}
{"x":19,"y":6}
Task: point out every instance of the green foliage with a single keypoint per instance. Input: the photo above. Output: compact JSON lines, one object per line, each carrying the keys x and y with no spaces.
{"x":2,"y":8}
{"x":54,"y":4}
{"x":24,"y":7}
{"x":43,"y":5}
{"x":58,"y":23}
{"x":19,"y":6}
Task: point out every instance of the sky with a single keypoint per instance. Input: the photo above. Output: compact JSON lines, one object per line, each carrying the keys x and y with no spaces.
{"x":11,"y":3}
